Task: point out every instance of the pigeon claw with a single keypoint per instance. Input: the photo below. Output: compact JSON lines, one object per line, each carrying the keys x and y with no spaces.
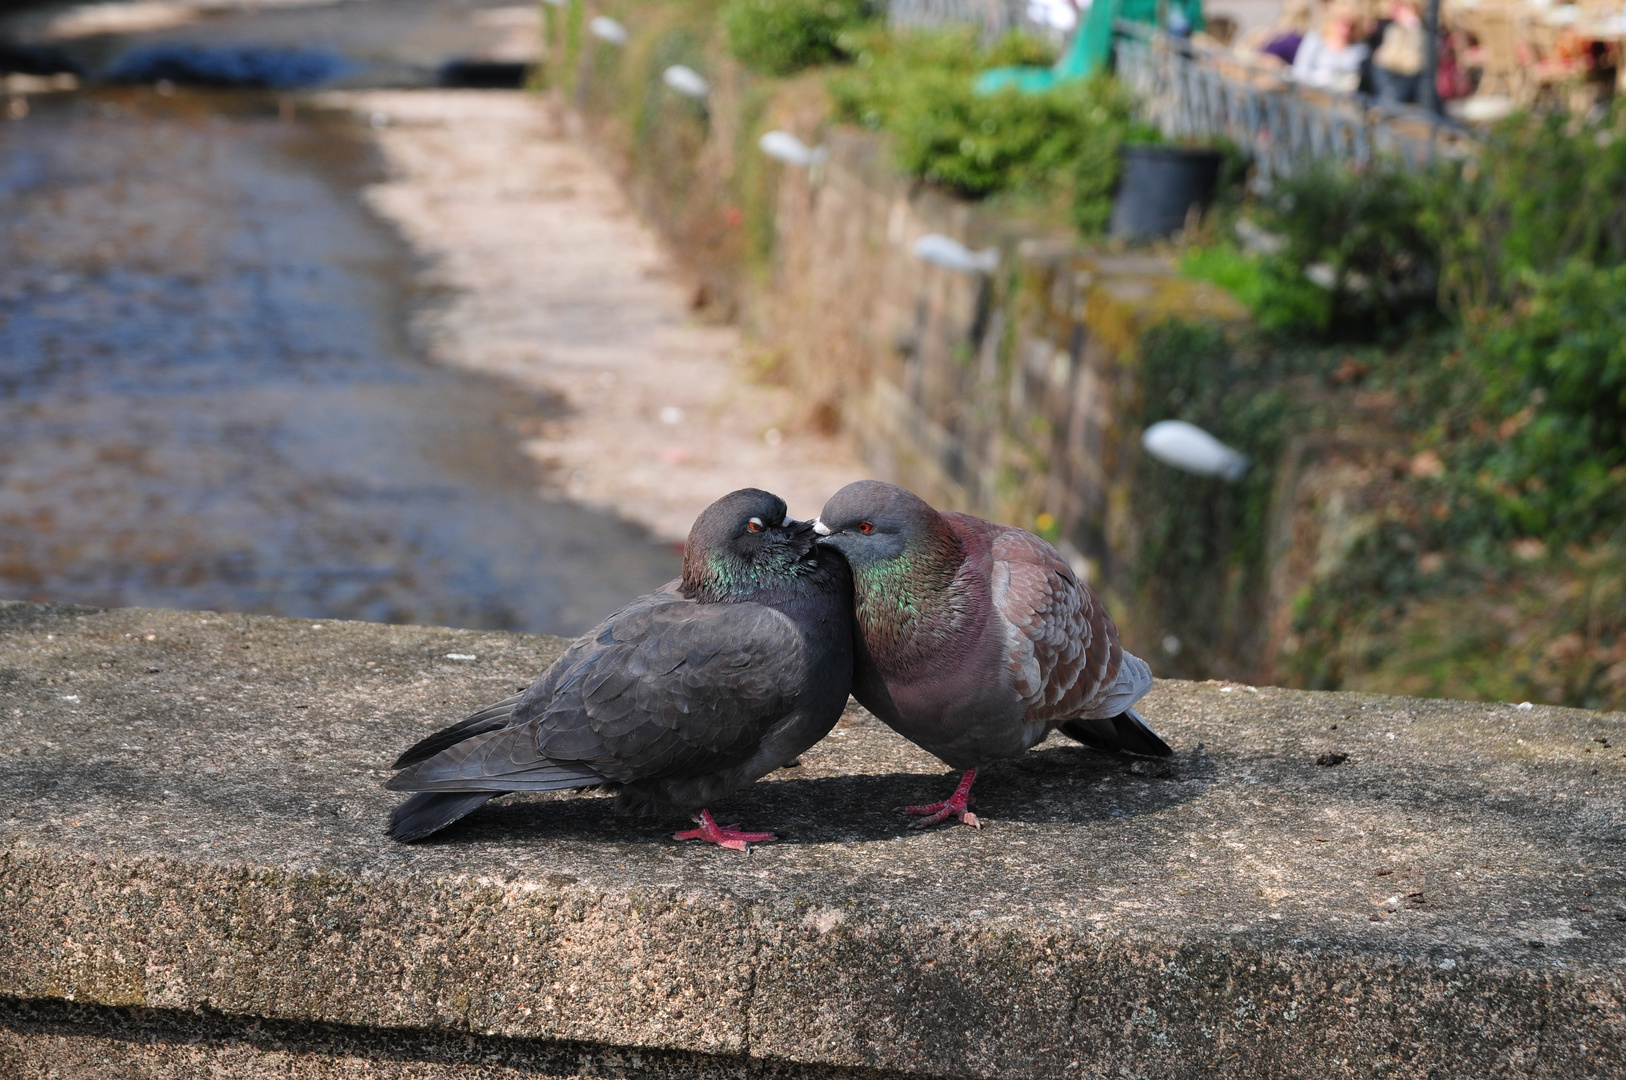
{"x":728,"y":836}
{"x":939,"y":812}
{"x":957,"y":806}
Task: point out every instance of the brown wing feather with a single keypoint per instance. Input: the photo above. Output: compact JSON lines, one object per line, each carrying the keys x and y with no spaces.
{"x":1062,"y":649}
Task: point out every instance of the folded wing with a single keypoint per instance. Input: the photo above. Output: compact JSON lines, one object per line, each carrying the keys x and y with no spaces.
{"x":664,"y":689}
{"x":1061,"y":648}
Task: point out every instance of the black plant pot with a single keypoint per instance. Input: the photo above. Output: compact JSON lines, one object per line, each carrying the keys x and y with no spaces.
{"x":1159,"y":186}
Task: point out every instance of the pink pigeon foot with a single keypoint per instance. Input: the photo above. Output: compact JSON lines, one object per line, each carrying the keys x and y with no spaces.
{"x":728,"y":836}
{"x":955,"y":806}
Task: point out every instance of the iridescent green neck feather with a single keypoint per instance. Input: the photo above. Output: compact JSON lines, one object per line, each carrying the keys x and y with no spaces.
{"x":910,"y":603}
{"x":721,"y":577}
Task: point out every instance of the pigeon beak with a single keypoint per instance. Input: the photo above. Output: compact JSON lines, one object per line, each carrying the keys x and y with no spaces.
{"x":820,"y":527}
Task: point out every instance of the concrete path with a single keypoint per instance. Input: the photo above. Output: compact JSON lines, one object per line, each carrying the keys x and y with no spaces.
{"x":551,"y":281}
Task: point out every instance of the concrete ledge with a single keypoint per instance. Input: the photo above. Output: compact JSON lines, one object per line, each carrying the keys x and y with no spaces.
{"x":193,"y":877}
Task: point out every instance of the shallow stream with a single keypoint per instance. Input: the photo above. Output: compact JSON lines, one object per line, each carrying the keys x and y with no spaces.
{"x":209,"y":399}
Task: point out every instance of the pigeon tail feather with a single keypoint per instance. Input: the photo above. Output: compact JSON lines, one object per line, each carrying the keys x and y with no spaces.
{"x":1135,"y":736}
{"x":487,"y":719}
{"x":1125,"y":733}
{"x":1134,"y":682}
{"x":505,"y":760}
{"x":430,"y":811}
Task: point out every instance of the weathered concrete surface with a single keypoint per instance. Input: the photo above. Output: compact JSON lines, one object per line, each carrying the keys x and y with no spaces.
{"x":191,"y":854}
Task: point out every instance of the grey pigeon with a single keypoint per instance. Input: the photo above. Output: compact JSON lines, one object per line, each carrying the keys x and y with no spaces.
{"x":683,"y":696}
{"x":976,"y":639}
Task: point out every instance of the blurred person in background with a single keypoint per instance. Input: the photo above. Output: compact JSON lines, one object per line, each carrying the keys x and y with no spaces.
{"x":1397,"y":61}
{"x":1331,"y":55}
{"x":1281,"y":39}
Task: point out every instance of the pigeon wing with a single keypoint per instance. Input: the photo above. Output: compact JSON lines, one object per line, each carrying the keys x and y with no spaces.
{"x":674,"y":689}
{"x":663,"y":688}
{"x":1062,"y":650}
{"x":517,"y":708}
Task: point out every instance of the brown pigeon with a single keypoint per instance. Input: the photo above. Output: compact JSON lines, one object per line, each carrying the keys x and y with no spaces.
{"x":976,"y":639}
{"x":683,"y":696}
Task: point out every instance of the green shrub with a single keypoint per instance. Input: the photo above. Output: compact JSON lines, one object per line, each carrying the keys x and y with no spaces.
{"x":781,"y":37}
{"x":1553,"y":460}
{"x":885,"y":65}
{"x":1365,"y":229}
{"x":918,"y":87}
{"x":1018,"y":48}
{"x":976,"y":146}
{"x":1545,"y":190}
{"x":1279,"y":295}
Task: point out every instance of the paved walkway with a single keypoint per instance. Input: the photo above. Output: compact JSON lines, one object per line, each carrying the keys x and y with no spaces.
{"x":552,"y":282}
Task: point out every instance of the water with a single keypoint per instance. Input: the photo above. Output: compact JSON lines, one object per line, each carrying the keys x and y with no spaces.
{"x":208,"y":398}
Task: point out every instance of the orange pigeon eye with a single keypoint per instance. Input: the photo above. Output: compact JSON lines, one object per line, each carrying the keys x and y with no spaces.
{"x":754,"y":525}
{"x":865,"y":527}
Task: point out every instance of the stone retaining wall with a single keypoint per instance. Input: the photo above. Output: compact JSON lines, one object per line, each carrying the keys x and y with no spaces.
{"x":1013,"y":395}
{"x":194,"y":881}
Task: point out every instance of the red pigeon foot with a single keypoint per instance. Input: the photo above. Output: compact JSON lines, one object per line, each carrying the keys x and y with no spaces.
{"x":728,"y":836}
{"x":956,"y":806}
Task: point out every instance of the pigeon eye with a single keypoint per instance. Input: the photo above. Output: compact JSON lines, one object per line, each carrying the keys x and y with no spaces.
{"x":865,"y":527}
{"x":754,"y":525}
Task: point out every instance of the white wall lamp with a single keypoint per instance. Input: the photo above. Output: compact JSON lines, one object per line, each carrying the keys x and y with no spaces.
{"x":686,"y":81}
{"x":1191,"y":449}
{"x":785,"y":147}
{"x":950,"y":254}
{"x":607,"y":29}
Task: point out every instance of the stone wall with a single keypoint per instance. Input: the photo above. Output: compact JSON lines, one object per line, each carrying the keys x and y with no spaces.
{"x":194,"y":881}
{"x":1013,"y":395}
{"x":1009,"y":395}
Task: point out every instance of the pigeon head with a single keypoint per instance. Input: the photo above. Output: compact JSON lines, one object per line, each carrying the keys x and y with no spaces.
{"x":744,"y":542}
{"x":871,"y":523}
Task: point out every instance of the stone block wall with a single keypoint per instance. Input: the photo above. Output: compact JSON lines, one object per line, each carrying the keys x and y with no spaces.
{"x":1013,"y":395}
{"x":1001,"y":394}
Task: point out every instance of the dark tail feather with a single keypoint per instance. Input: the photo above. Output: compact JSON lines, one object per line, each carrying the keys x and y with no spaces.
{"x":1125,"y":733}
{"x":487,"y":719}
{"x":430,"y":811}
{"x":497,"y":761}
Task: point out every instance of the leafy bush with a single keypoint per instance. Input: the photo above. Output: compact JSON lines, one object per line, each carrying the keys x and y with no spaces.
{"x":885,"y":65}
{"x":1364,"y":228}
{"x":1350,"y":255}
{"x":1554,"y":371}
{"x":781,"y":37}
{"x":1277,"y":292}
{"x":976,"y":146}
{"x":918,"y":87}
{"x":1545,"y":190}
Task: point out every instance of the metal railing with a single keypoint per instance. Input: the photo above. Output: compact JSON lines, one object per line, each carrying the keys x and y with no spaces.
{"x":1191,"y":93}
{"x":992,"y":17}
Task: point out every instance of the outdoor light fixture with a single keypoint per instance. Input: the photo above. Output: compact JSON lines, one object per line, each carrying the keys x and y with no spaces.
{"x":950,"y":254}
{"x":1193,"y":450}
{"x":783,"y":146}
{"x":607,"y":29}
{"x":686,"y":81}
